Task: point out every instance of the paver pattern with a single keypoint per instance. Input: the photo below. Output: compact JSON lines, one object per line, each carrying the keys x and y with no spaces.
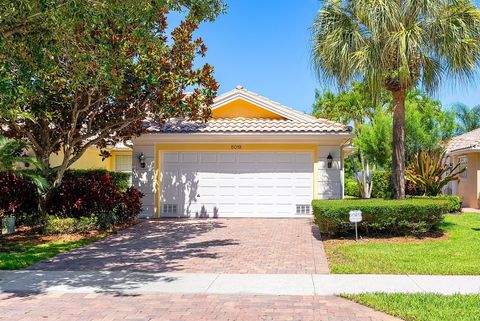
{"x":106,"y":307}
{"x":205,"y":246}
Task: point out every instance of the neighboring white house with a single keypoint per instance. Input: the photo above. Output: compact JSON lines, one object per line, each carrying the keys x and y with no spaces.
{"x":254,"y":158}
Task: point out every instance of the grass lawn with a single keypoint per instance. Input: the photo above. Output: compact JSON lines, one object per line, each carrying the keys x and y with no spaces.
{"x":423,"y":307}
{"x":457,"y":252}
{"x":25,"y":248}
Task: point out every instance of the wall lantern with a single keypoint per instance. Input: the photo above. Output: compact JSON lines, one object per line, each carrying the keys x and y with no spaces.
{"x":141,"y":160}
{"x":329,"y":160}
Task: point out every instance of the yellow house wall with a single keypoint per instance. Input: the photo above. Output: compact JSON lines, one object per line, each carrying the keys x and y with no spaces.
{"x":242,"y":108}
{"x":91,"y":159}
{"x":469,"y":187}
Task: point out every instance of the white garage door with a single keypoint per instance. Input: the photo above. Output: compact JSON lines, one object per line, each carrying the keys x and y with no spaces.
{"x":236,"y":184}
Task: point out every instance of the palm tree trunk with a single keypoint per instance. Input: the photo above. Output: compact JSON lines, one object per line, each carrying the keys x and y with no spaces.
{"x":398,"y":145}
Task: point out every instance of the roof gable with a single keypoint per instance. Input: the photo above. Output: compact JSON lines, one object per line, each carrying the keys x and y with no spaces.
{"x":240,"y":102}
{"x":241,"y":108}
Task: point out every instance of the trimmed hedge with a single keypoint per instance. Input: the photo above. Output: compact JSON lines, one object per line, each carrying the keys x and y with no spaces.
{"x":455,"y":202}
{"x":412,"y":216}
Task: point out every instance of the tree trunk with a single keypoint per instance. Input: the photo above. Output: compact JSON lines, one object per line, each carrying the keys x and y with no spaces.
{"x":398,"y":145}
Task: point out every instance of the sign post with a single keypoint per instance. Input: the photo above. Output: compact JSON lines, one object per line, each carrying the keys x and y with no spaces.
{"x":355,"y":217}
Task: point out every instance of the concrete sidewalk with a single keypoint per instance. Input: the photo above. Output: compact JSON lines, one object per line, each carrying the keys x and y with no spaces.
{"x":254,"y":284}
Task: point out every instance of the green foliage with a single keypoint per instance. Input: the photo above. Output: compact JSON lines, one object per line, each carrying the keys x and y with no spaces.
{"x":430,"y":171}
{"x":355,"y":105}
{"x":375,"y":139}
{"x":380,"y":216}
{"x":454,"y":200}
{"x":381,"y":184}
{"x":12,"y":152}
{"x":351,"y":188}
{"x":422,"y":306}
{"x":468,"y":119}
{"x":69,"y":225}
{"x":427,"y":126}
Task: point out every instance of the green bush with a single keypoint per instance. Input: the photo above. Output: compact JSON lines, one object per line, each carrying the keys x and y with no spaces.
{"x":351,"y":188}
{"x":57,"y":225}
{"x":454,"y":200}
{"x":381,"y":184}
{"x":412,"y":216}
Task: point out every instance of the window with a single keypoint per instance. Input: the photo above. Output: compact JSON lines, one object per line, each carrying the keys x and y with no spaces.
{"x":303,"y":209}
{"x":463,"y":164}
{"x":123,"y":163}
{"x":169,"y":209}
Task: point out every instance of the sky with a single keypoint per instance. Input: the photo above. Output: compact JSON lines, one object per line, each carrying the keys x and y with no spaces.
{"x":264,"y":46}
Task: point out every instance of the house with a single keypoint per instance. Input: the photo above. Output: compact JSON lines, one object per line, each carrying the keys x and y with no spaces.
{"x":253,"y":158}
{"x":465,"y":149}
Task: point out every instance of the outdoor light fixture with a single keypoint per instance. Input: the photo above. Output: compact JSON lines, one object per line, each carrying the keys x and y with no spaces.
{"x":141,"y":160}
{"x":329,"y":160}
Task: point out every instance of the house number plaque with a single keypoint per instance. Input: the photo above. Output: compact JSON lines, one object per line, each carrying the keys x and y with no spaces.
{"x":236,"y":146}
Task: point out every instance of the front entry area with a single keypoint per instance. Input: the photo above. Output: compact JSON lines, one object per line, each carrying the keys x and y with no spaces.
{"x":236,"y":183}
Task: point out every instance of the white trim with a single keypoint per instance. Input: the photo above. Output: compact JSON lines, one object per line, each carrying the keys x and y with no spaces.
{"x":267,"y":104}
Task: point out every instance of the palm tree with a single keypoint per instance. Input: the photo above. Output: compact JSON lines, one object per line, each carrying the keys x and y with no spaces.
{"x":468,"y":119}
{"x":396,"y":45}
{"x":12,"y":153}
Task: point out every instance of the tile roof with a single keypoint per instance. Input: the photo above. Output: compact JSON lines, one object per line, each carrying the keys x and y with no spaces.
{"x":248,"y":125}
{"x":464,"y":141}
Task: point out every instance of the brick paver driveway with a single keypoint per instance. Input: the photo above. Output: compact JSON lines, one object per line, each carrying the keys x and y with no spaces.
{"x":169,"y":307}
{"x":207,"y":246}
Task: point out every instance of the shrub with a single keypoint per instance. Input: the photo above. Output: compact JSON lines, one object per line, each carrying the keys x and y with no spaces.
{"x":57,"y":225}
{"x":381,"y":184}
{"x":431,"y":171}
{"x":411,"y":216}
{"x":454,"y":201}
{"x":130,"y":205}
{"x":351,"y":188}
{"x":120,"y":180}
{"x":18,"y":197}
{"x":83,"y":193}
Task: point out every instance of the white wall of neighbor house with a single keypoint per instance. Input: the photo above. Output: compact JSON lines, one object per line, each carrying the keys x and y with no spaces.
{"x":329,"y":181}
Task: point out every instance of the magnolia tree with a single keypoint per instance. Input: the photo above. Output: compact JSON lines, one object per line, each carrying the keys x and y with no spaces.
{"x":82,"y":73}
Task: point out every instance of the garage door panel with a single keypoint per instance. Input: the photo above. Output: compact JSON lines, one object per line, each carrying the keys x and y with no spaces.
{"x":237,"y":183}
